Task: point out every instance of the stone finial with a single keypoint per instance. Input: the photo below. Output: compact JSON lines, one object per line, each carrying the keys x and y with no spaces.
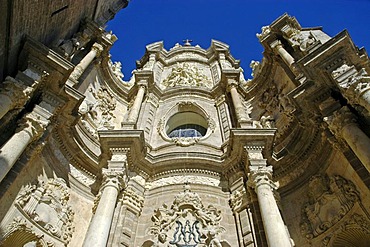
{"x":265,"y":32}
{"x":187,"y":42}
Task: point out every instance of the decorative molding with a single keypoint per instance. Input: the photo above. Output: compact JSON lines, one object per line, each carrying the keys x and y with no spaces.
{"x":185,"y":106}
{"x":181,"y":179}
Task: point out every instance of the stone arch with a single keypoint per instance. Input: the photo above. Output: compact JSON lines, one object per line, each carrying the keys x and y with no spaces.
{"x":355,"y":237}
{"x":22,"y":237}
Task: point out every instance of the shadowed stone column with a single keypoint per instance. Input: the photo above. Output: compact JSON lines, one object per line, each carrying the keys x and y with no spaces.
{"x":30,"y":128}
{"x":260,"y":179}
{"x":278,"y":47}
{"x":95,"y":51}
{"x":343,"y":125}
{"x":113,"y":181}
{"x":135,"y":109}
{"x":240,"y":110}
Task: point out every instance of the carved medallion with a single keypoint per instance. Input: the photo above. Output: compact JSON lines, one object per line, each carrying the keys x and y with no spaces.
{"x":331,"y":198}
{"x":187,"y":222}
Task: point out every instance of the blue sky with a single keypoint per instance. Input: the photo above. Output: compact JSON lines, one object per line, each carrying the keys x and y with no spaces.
{"x":234,"y":22}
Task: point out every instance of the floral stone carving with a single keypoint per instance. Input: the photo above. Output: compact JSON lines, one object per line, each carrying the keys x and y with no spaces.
{"x":46,"y":205}
{"x":185,"y":75}
{"x":330,"y":199}
{"x":187,"y":223}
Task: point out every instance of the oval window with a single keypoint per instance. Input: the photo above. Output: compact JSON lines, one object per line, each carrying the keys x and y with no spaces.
{"x":186,"y":124}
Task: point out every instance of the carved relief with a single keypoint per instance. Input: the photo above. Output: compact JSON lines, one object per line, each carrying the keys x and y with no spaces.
{"x":186,"y":75}
{"x":46,"y":206}
{"x":304,"y":40}
{"x":133,"y":198}
{"x":183,"y":179}
{"x":330,"y":199}
{"x":353,"y":83}
{"x":187,"y":223}
{"x":276,"y":104}
{"x":237,"y":198}
{"x":71,"y":46}
{"x":99,"y":112}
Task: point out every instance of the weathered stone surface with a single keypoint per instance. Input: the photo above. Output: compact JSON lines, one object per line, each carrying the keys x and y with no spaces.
{"x":187,"y":152}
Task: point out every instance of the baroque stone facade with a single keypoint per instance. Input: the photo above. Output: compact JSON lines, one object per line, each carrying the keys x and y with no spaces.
{"x":186,"y":152}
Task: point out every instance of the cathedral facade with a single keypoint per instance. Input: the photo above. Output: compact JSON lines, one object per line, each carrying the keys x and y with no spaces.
{"x":187,"y":152}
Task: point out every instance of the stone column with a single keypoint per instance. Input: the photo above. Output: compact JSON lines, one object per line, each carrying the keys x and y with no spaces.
{"x":240,"y":110}
{"x":113,"y":181}
{"x":30,"y":128}
{"x":12,"y":94}
{"x":343,"y":125}
{"x":278,"y":47}
{"x":95,"y":51}
{"x":260,"y":178}
{"x":135,"y":109}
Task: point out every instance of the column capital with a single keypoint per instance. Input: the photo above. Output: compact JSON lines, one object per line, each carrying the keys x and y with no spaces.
{"x":142,"y":84}
{"x":113,"y":177}
{"x":231,"y":83}
{"x":35,"y":122}
{"x":276,"y":44}
{"x":98,"y":48}
{"x":261,"y":175}
{"x":18,"y":92}
{"x":340,"y":119}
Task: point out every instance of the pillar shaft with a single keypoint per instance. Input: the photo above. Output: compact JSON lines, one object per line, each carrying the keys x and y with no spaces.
{"x":240,"y":110}
{"x":364,"y":99}
{"x":273,"y":223}
{"x":135,"y":109}
{"x":359,"y":143}
{"x":98,"y":232}
{"x":343,"y":125}
{"x":278,"y":47}
{"x":6,"y":104}
{"x":12,"y":150}
{"x":30,"y":128}
{"x":260,"y":178}
{"x":95,"y":51}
